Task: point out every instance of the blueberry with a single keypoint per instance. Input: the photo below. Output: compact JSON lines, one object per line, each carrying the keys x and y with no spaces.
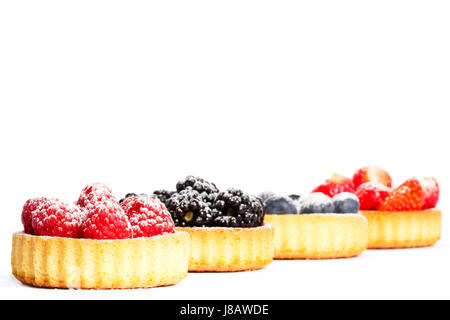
{"x":266,"y":195}
{"x":346,"y":202}
{"x":280,"y":205}
{"x":317,"y":202}
{"x":298,"y":199}
{"x":295,"y":197}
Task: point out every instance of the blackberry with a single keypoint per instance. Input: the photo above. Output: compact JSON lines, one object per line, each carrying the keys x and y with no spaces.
{"x":198,"y":184}
{"x":163,"y":195}
{"x":190,"y":208}
{"x":237,"y":209}
{"x":131,"y":194}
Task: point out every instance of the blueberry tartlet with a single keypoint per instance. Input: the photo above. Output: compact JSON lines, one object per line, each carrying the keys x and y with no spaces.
{"x":97,"y":243}
{"x":226,"y":227}
{"x":316,"y":227}
{"x":401,"y":217}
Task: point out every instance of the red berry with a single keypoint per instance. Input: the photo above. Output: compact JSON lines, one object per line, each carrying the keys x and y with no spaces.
{"x":28,"y":208}
{"x":431,"y":190}
{"x":127,"y":202}
{"x":407,"y":197}
{"x":336,"y":184}
{"x":96,"y":192}
{"x":148,"y":217}
{"x":56,"y":218}
{"x":371,"y":195}
{"x":372,"y":173}
{"x":106,"y":220}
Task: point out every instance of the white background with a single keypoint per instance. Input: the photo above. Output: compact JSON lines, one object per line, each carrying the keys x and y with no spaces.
{"x":261,"y":95}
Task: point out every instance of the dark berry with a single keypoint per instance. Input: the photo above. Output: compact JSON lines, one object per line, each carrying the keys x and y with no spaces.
{"x":163,"y":195}
{"x":190,"y":208}
{"x":280,"y":205}
{"x":295,"y":197}
{"x":298,"y":200}
{"x":346,"y":202}
{"x":317,"y":202}
{"x":198,"y":184}
{"x":226,"y":221}
{"x":237,"y":209}
{"x":266,"y":195}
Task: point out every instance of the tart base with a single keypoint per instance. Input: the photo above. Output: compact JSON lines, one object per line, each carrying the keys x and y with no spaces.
{"x":100,"y":264}
{"x":319,"y":236}
{"x":230,"y":249}
{"x":403,"y":229}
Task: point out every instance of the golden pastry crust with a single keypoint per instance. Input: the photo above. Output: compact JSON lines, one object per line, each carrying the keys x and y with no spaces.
{"x":100,"y":264}
{"x":319,"y":236}
{"x":403,"y":229}
{"x":230,"y":249}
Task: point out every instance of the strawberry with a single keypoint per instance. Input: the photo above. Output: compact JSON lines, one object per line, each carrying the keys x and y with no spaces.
{"x":431,"y":189}
{"x":407,"y":197}
{"x":372,"y":194}
{"x":372,"y":173}
{"x":336,"y":184}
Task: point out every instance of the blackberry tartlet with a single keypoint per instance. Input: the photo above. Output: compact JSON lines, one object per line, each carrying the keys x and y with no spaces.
{"x":318,"y":227}
{"x":98,"y":243}
{"x":227,"y":228}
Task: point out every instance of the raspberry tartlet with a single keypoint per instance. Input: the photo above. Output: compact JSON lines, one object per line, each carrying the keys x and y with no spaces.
{"x":98,"y":244}
{"x":401,"y":217}
{"x":316,"y":227}
{"x":226,"y":227}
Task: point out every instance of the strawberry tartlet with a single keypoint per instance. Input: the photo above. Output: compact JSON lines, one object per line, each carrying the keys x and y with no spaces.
{"x":97,"y":243}
{"x":401,"y":217}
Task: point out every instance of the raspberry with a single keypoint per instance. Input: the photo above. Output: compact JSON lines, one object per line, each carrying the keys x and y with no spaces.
{"x":128,"y":195}
{"x":96,"y":192}
{"x":407,"y":197}
{"x":28,"y":208}
{"x":124,"y":201}
{"x":148,"y":217}
{"x":57,"y":219}
{"x":106,"y":220}
{"x":372,"y":194}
